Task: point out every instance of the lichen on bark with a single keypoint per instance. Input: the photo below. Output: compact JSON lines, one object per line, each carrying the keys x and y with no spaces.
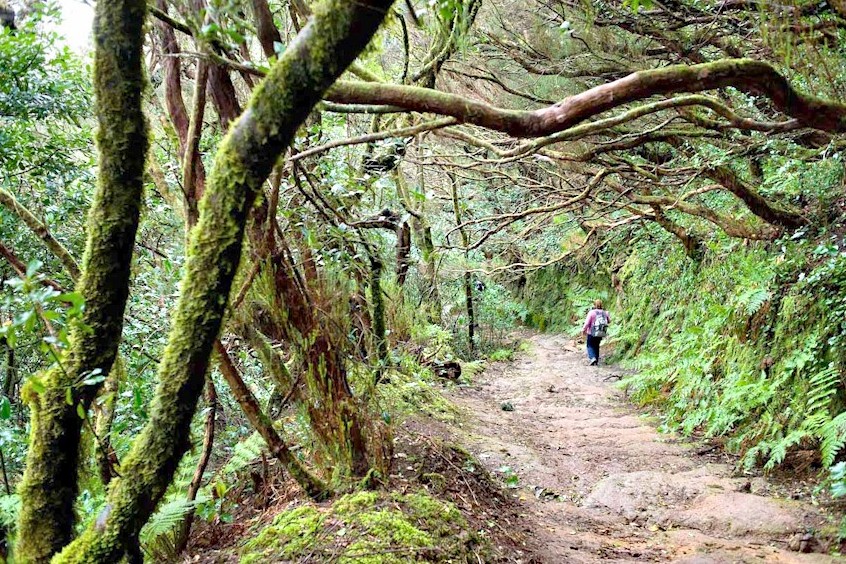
{"x":320,"y":53}
{"x":49,"y":486}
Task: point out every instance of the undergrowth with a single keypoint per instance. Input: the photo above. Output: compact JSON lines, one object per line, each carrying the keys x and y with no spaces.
{"x":746,"y":344}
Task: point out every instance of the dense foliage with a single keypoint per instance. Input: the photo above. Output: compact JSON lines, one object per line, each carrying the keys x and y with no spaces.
{"x":479,"y":166}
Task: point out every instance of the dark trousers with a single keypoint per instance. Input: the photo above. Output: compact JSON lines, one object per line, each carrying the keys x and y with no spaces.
{"x":593,"y":347}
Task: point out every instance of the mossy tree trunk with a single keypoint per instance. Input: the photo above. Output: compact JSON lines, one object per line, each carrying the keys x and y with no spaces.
{"x":335,"y":414}
{"x":336,"y":34}
{"x":49,"y":486}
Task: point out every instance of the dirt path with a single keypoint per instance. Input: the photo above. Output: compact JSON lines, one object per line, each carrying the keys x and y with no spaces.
{"x":600,"y":484}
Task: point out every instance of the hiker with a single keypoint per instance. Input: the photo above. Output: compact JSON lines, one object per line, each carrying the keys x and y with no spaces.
{"x":596,"y":327}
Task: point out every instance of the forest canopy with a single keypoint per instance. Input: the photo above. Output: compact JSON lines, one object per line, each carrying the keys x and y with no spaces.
{"x":257,"y":230}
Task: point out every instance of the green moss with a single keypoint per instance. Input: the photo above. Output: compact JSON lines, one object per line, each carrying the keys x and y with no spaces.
{"x":292,"y":532}
{"x":49,"y":486}
{"x":414,"y":391}
{"x":436,"y":481}
{"x":356,"y":502}
{"x":367,"y":527}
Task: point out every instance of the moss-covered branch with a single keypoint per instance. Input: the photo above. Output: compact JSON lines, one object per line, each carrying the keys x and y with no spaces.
{"x":336,"y":34}
{"x":49,"y":485}
{"x":751,"y":76}
{"x":20,"y":267}
{"x":8,"y":200}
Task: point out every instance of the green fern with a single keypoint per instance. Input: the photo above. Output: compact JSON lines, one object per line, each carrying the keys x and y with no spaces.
{"x":779,"y":450}
{"x":833,"y":438}
{"x":10,"y":505}
{"x":752,"y":300}
{"x":823,"y":385}
{"x":245,"y":453}
{"x":168,"y":516}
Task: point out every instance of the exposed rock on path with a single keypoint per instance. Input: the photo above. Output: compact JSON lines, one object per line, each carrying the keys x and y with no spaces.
{"x":600,"y":484}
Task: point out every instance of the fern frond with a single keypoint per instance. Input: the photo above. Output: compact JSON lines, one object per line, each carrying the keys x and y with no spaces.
{"x":752,"y":300}
{"x":833,"y":438}
{"x":168,"y":516}
{"x":245,"y":453}
{"x":10,"y":506}
{"x":823,"y":385}
{"x":779,"y":450}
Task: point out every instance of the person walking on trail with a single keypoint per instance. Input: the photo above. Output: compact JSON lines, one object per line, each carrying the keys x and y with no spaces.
{"x":596,"y":327}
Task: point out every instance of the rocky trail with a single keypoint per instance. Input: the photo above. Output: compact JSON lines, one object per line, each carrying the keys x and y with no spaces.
{"x":599,"y":483}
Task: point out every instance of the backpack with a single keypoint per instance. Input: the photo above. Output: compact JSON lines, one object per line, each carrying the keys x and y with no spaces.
{"x":599,"y":328}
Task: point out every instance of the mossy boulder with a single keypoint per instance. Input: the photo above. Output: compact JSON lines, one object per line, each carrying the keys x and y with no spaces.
{"x":368,"y":528}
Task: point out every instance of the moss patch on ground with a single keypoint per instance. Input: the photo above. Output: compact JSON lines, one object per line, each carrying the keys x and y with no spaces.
{"x":369,"y":528}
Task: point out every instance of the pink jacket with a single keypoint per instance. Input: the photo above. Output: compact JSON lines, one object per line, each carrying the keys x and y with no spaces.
{"x":590,"y":317}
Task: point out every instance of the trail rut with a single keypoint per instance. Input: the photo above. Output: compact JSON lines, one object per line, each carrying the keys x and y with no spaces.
{"x":600,"y":484}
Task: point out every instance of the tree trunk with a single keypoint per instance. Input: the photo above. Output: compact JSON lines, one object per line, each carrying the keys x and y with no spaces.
{"x":468,"y":278}
{"x":403,"y":252}
{"x":267,"y":33}
{"x":379,"y":335}
{"x":11,"y":378}
{"x":428,"y":270}
{"x":471,"y":314}
{"x":104,"y":416}
{"x":262,"y":423}
{"x":49,"y":486}
{"x":327,"y":45}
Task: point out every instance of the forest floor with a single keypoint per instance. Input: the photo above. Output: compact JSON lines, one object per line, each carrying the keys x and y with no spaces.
{"x":596,"y":482}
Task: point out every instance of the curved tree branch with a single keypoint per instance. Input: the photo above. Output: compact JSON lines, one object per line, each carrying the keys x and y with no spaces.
{"x":8,"y":200}
{"x":755,"y":77}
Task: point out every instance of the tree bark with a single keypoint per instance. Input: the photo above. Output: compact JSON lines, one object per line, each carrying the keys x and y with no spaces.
{"x":49,"y":486}
{"x":178,"y":113}
{"x":321,"y":52}
{"x":754,"y":77}
{"x":268,"y":35}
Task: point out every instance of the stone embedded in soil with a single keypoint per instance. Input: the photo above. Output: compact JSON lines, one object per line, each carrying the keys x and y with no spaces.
{"x":698,"y":499}
{"x":741,"y":514}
